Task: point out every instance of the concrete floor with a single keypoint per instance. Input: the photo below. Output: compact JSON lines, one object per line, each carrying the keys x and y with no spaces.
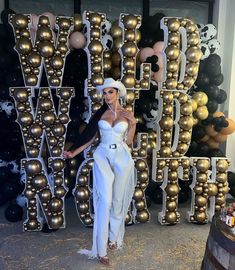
{"x":147,"y":246}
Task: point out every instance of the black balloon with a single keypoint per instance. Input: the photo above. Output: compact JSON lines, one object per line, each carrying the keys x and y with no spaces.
{"x":10,"y":189}
{"x":212,"y":91}
{"x":215,"y":153}
{"x":212,"y":105}
{"x":202,"y":80}
{"x":3,"y":198}
{"x":198,"y":132}
{"x":202,"y":149}
{"x":222,"y":96}
{"x":14,"y":213}
{"x":217,"y":80}
{"x":231,"y":179}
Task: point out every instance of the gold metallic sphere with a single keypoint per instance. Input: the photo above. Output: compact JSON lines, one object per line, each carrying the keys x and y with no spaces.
{"x":142,"y":216}
{"x":130,"y":22}
{"x":55,"y":205}
{"x":203,"y":165}
{"x":23,"y":45}
{"x":64,"y":23}
{"x":33,"y":167}
{"x":57,"y":62}
{"x":20,"y":21}
{"x":221,"y":177}
{"x":60,"y":191}
{"x":116,"y":31}
{"x":95,"y":47}
{"x":34,"y":59}
{"x":166,"y":123}
{"x":201,"y":177}
{"x":222,"y":165}
{"x":44,"y":33}
{"x":174,"y":38}
{"x":172,"y":52}
{"x":171,"y":205}
{"x":95,"y":19}
{"x":200,"y":216}
{"x":129,"y":49}
{"x":83,"y":207}
{"x":82,"y":194}
{"x":172,"y":66}
{"x":32,"y":225}
{"x":165,"y":151}
{"x":128,"y":81}
{"x":48,"y":118}
{"x":140,"y":165}
{"x":172,"y":189}
{"x":198,"y":190}
{"x":57,"y":164}
{"x":212,"y":189}
{"x":186,"y":122}
{"x":171,"y":217}
{"x":78,"y":25}
{"x":55,"y":222}
{"x":138,"y":194}
{"x":45,"y":195}
{"x":173,"y":24}
{"x":193,"y":54}
{"x":200,"y":201}
{"x":174,"y":164}
{"x":46,"y":48}
{"x":21,"y":95}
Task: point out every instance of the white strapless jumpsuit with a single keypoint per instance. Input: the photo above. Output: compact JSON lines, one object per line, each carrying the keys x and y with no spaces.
{"x":114,"y":182}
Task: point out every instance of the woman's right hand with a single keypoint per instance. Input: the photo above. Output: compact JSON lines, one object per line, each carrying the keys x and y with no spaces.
{"x":68,"y":154}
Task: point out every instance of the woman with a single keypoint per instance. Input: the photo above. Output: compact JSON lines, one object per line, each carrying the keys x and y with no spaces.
{"x":113,"y":172}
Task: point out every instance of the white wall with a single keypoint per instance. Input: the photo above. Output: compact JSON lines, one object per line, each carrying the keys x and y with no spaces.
{"x":225,"y":21}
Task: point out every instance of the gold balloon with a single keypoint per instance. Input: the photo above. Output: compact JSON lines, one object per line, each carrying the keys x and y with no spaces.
{"x":172,"y":189}
{"x":95,"y":47}
{"x":46,"y":48}
{"x":186,"y":122}
{"x":55,"y":221}
{"x":212,"y":189}
{"x":190,"y":27}
{"x":95,"y":18}
{"x":129,"y":49}
{"x":130,"y":21}
{"x":23,"y":45}
{"x":82,"y":180}
{"x":220,"y":200}
{"x":78,"y":25}
{"x":142,"y":216}
{"x":129,"y":63}
{"x":128,"y":81}
{"x":221,"y":177}
{"x":201,"y":98}
{"x":57,"y":62}
{"x":130,"y":97}
{"x":172,"y":66}
{"x":194,"y":104}
{"x":82,"y":194}
{"x":32,"y":225}
{"x":143,"y":176}
{"x":97,"y":68}
{"x":62,"y":48}
{"x":130,"y":35}
{"x":58,"y":130}
{"x":188,"y":82}
{"x":171,"y":205}
{"x":185,"y":136}
{"x":21,"y":95}
{"x":45,"y":104}
{"x":173,"y":24}
{"x":200,"y":216}
{"x":117,"y":43}
{"x":35,"y":130}
{"x":34,"y":59}
{"x":140,"y":165}
{"x":45,"y":195}
{"x":166,"y":135}
{"x":48,"y":118}
{"x":116,"y":31}
{"x":203,"y":165}
{"x":186,"y":108}
{"x":168,"y":97}
{"x":140,"y":205}
{"x":44,"y":20}
{"x":44,"y":33}
{"x":171,"y":84}
{"x":174,"y":38}
{"x":198,"y":190}
{"x":97,"y":79}
{"x":56,"y":205}
{"x":165,"y":151}
{"x":64,"y":119}
{"x":167,"y":109}
{"x":57,"y":164}
{"x":116,"y":59}
{"x":173,"y":175}
{"x":200,"y":201}
{"x":201,"y":113}
{"x":173,"y":165}
{"x":171,"y":217}
{"x":222,"y":165}
{"x":29,"y":193}
{"x":201,"y":177}
{"x":64,"y":23}
{"x":20,"y":21}
{"x":166,"y":123}
{"x":60,"y":191}
{"x":193,"y":54}
{"x":33,"y":167}
{"x":192,"y":69}
{"x":25,"y":119}
{"x":31,"y":80}
{"x":138,"y":194}
{"x":172,"y":52}
{"x":83,"y":207}
{"x":193,"y":39}
{"x":54,"y":81}
{"x":107,"y":64}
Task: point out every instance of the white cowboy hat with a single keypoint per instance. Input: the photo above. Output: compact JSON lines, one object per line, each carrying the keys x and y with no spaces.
{"x":110,"y":82}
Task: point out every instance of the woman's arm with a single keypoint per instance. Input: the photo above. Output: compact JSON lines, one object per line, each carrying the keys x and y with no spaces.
{"x":131,"y":125}
{"x":71,"y":154}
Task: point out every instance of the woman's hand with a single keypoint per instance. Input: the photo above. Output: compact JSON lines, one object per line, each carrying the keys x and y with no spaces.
{"x":129,"y":116}
{"x":68,"y":154}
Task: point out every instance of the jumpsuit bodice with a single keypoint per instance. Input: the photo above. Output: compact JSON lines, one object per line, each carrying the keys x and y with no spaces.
{"x":112,"y":135}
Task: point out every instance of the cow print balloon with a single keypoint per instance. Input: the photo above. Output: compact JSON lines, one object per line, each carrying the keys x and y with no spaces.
{"x":205,"y":51}
{"x":21,"y":200}
{"x":3,"y":163}
{"x":214,"y":45}
{"x":208,"y":32}
{"x":105,"y":27}
{"x":8,"y":107}
{"x":107,"y":42}
{"x":13,"y":166}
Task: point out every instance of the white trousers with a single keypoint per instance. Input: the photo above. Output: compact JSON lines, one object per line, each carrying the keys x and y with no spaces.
{"x":113,"y":187}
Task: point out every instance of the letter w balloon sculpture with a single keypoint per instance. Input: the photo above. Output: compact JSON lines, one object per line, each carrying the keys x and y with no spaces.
{"x":181,"y":56}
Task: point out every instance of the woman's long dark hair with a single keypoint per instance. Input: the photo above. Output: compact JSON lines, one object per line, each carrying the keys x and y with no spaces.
{"x":91,"y":128}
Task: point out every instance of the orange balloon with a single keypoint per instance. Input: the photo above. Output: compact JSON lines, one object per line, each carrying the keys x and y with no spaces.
{"x":220,"y":137}
{"x":212,"y":143}
{"x":211,"y":131}
{"x":218,"y":114}
{"x":230,"y":129}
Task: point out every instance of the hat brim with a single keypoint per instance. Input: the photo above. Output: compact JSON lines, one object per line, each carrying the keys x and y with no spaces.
{"x":114,"y":84}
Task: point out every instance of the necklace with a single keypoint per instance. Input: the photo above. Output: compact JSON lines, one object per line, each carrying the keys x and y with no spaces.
{"x":113,"y":111}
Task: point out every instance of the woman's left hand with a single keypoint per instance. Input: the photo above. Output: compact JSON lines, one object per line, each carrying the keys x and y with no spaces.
{"x":129,"y":116}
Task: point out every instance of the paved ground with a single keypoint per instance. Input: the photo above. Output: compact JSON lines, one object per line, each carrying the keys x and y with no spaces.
{"x":147,"y":246}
